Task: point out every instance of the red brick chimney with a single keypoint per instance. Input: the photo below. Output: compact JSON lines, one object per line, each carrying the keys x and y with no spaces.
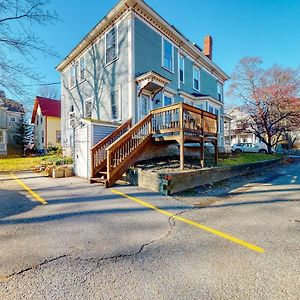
{"x":207,"y":47}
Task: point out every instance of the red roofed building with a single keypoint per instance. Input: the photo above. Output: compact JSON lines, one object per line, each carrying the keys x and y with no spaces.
{"x":47,"y":123}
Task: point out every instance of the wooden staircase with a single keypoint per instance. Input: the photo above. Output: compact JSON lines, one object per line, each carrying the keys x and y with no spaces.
{"x":181,"y":122}
{"x":99,"y":154}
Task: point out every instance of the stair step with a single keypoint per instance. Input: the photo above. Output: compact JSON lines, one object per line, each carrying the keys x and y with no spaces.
{"x":98,"y":180}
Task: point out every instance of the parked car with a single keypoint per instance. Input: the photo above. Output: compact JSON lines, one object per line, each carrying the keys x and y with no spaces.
{"x":249,"y":147}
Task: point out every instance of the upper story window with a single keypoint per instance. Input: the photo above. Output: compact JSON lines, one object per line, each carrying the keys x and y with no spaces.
{"x":88,"y":108}
{"x":196,"y":78}
{"x":210,"y":109}
{"x":81,"y":68}
{"x":167,"y":99}
{"x":220,"y":92}
{"x":115,"y":105}
{"x":181,"y":69}
{"x":72,"y":75}
{"x":168,"y":55}
{"x":12,"y":119}
{"x":41,"y":120}
{"x":111,"y":48}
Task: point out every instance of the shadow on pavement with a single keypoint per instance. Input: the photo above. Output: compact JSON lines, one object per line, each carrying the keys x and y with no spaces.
{"x":14,"y":203}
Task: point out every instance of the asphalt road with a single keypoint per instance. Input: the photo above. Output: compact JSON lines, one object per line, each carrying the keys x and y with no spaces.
{"x":90,"y":243}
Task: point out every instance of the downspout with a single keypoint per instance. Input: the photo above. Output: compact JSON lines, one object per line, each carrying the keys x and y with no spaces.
{"x":46,"y":132}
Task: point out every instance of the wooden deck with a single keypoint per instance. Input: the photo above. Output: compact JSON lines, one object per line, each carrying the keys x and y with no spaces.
{"x":180,"y":122}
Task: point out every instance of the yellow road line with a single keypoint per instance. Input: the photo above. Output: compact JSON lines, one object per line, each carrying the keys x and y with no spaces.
{"x":25,"y":187}
{"x":195,"y":224}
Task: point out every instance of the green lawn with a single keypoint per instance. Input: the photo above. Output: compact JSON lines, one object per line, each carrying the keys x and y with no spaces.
{"x":18,"y":163}
{"x":246,"y":158}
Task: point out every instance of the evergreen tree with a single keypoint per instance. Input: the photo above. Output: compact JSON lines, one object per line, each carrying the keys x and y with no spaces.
{"x":23,"y":133}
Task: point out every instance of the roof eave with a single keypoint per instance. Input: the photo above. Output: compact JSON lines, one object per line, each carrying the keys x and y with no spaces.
{"x":90,"y":36}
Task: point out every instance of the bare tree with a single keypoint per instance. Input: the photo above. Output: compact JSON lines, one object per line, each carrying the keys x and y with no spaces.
{"x":269,"y":97}
{"x":49,"y":91}
{"x":19,"y":43}
{"x":96,"y":82}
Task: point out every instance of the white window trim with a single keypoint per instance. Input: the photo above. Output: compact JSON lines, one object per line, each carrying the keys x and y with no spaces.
{"x":181,"y":56}
{"x":119,"y":118}
{"x":117,"y":44}
{"x":162,"y":54}
{"x":195,"y":67}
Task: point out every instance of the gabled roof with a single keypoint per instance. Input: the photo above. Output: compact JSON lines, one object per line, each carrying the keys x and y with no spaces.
{"x":143,"y":10}
{"x":49,"y":107}
{"x":11,"y":105}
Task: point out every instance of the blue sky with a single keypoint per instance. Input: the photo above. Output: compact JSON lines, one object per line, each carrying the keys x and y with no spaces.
{"x":265,"y":28}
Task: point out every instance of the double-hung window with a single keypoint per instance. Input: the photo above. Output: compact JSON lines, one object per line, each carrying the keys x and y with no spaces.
{"x":111,"y":45}
{"x":72,"y":75}
{"x":115,"y":105}
{"x":88,"y":108}
{"x":81,"y":69}
{"x":196,"y":78}
{"x":181,"y":69}
{"x":168,"y":55}
{"x":220,"y":92}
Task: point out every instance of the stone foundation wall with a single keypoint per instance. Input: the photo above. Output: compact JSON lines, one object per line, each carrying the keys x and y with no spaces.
{"x":174,"y":182}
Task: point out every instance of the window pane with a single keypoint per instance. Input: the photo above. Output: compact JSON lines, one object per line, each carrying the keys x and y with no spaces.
{"x":181,"y":69}
{"x":168,"y":55}
{"x":196,"y":84}
{"x":196,"y":75}
{"x":167,"y":100}
{"x":88,"y":109}
{"x":111,"y":45}
{"x":1,"y":136}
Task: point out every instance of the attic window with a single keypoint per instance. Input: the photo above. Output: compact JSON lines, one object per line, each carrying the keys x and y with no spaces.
{"x":111,"y":49}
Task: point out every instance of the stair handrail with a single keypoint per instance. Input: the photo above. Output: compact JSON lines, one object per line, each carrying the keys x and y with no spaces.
{"x":129,"y":133}
{"x":126,"y":145}
{"x":103,"y":144}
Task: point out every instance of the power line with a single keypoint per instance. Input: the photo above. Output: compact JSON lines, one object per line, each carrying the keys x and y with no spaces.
{"x":43,"y":84}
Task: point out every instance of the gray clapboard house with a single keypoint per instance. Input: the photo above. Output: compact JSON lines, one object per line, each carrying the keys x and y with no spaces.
{"x":131,"y":62}
{"x":10,"y":114}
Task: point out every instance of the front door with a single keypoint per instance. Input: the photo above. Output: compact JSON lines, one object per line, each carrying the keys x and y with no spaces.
{"x":145,"y":105}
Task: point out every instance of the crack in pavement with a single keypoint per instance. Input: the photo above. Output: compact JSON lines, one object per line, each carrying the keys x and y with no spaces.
{"x":47,"y":261}
{"x":171,"y":222}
